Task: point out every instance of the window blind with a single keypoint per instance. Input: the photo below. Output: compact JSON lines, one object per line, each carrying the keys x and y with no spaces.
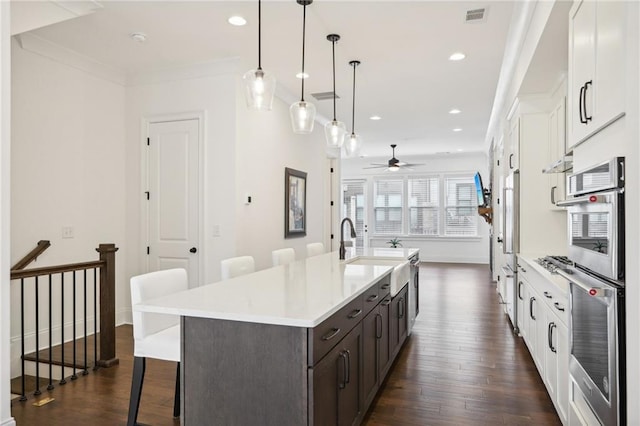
{"x":460,"y":217}
{"x":387,"y":207}
{"x":423,"y":206}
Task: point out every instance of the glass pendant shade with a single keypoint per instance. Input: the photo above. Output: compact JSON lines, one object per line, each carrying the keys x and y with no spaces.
{"x":303,"y":115}
{"x":260,"y":87}
{"x":352,"y":145}
{"x":334,"y":132}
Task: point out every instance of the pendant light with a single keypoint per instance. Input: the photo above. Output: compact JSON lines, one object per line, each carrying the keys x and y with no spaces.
{"x":354,"y":142}
{"x":303,"y":113}
{"x":334,"y":130}
{"x":259,"y":85}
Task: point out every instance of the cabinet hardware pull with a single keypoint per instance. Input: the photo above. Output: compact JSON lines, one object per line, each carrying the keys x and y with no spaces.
{"x":385,"y":302}
{"x":378,"y":334}
{"x":552,"y":325}
{"x":343,"y":356}
{"x":385,"y":286}
{"x":510,"y":163}
{"x":584,"y":100}
{"x":520,"y":283}
{"x":401,"y":308}
{"x":580,"y":103}
{"x":553,"y":194}
{"x":348,"y":366}
{"x":531,"y":300}
{"x":558,"y":307}
{"x":354,"y":314}
{"x":372,"y":298}
{"x":548,"y":295}
{"x":523,"y":270}
{"x":333,"y":333}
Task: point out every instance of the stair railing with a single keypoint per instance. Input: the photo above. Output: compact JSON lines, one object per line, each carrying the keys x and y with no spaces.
{"x":76,"y":277}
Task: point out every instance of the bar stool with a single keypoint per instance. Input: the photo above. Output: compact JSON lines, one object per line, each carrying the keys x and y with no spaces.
{"x":283,"y":256}
{"x":314,"y":249}
{"x":155,"y":335}
{"x":236,"y":266}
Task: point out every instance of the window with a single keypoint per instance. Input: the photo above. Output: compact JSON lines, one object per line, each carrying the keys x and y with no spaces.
{"x":387,"y":207}
{"x":442,"y":205}
{"x":423,"y":206}
{"x":460,"y":210}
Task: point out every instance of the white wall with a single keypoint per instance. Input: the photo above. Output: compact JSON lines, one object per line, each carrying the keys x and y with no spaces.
{"x":68,"y":151}
{"x":5,"y":226}
{"x":461,"y":250}
{"x":214,"y":94}
{"x":265,"y":146}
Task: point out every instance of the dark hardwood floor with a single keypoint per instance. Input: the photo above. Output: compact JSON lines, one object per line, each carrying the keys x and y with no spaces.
{"x":461,"y":366}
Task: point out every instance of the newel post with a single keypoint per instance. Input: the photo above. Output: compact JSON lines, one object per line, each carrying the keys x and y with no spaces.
{"x":107,"y":356}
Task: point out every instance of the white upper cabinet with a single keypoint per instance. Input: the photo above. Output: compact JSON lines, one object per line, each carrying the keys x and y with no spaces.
{"x":597,"y":38}
{"x":557,"y":145}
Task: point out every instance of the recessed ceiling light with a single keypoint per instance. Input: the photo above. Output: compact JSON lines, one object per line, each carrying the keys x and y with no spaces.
{"x":454,"y":111}
{"x":459,"y":149}
{"x":237,"y":21}
{"x":457,"y":129}
{"x":139,"y":37}
{"x":458,"y":56}
{"x":302,"y":75}
{"x":375,"y":118}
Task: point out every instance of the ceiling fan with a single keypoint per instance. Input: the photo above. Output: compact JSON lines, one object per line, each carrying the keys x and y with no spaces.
{"x":393,"y":165}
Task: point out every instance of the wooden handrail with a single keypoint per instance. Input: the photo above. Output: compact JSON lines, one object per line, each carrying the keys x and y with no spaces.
{"x":32,"y":255}
{"x":57,"y":269}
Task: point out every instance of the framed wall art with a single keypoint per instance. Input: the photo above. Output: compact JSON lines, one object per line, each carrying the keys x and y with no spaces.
{"x":295,"y":203}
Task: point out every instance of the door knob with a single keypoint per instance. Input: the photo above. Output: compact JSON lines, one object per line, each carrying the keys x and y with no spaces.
{"x":193,"y":250}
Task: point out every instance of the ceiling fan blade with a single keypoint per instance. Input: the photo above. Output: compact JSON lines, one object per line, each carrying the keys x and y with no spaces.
{"x":413,"y":165}
{"x":380,"y":166}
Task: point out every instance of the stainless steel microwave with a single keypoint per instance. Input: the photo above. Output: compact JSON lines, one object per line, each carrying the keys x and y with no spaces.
{"x":601,"y":177}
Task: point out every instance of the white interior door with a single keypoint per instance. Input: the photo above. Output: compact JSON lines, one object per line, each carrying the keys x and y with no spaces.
{"x":173,"y":182}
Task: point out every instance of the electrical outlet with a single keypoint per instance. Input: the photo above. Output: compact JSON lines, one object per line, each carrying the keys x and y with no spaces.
{"x":67,"y":232}
{"x":216,"y":230}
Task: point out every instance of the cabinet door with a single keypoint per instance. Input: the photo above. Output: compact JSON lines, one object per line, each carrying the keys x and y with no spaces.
{"x":521,"y":310}
{"x":336,"y":382}
{"x":384,"y":350}
{"x":551,"y":357}
{"x":610,"y":70}
{"x":582,"y":46}
{"x":349,"y":394}
{"x":513,"y":162}
{"x":371,"y":329}
{"x":562,"y":348}
{"x":557,"y":146}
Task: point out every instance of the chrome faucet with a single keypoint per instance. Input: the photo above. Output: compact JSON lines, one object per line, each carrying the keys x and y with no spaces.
{"x":343,"y":251}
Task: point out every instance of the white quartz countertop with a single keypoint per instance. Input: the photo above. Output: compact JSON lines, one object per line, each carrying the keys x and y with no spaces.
{"x":301,"y":294}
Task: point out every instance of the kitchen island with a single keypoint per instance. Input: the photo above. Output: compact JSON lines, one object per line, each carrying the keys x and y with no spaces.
{"x":304,"y":343}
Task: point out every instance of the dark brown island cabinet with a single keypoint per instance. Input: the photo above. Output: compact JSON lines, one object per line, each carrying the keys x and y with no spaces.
{"x":246,"y":373}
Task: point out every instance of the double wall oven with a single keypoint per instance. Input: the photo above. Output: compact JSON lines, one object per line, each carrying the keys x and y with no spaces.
{"x":596,"y":275}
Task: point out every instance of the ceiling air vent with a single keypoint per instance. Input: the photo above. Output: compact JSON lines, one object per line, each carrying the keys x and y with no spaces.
{"x":324,"y":96}
{"x":476,"y":15}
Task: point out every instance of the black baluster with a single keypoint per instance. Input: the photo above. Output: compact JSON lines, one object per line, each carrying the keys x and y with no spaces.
{"x":63,"y":381}
{"x":95,"y":318}
{"x":74,"y":375}
{"x":22,"y":395}
{"x":85,"y":372}
{"x":37,"y":391}
{"x":50,"y":385}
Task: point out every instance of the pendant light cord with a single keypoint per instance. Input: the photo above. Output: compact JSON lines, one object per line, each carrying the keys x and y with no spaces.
{"x":333,"y":48}
{"x":304,"y":27}
{"x":259,"y":36}
{"x":353,"y":108}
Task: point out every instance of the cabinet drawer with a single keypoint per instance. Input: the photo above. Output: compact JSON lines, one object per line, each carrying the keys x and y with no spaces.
{"x":328,"y":333}
{"x":375,"y":294}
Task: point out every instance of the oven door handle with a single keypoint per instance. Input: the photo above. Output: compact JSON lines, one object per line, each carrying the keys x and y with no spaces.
{"x":591,"y":291}
{"x":600,"y":198}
